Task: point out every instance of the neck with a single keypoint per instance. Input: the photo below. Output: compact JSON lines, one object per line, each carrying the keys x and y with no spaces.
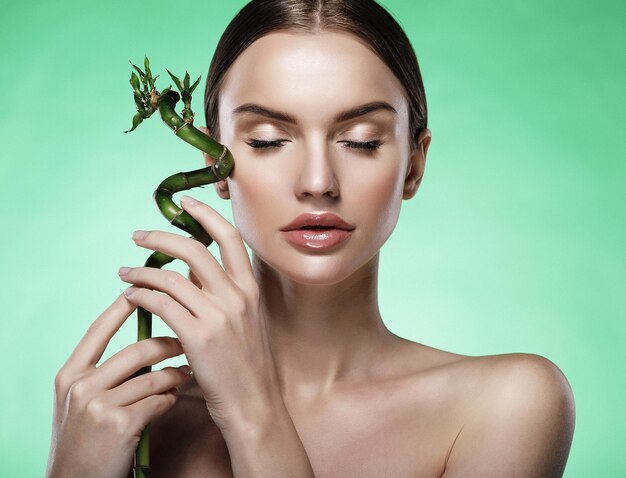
{"x":321,"y":334}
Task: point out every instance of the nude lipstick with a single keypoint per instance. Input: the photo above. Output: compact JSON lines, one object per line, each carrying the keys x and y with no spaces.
{"x":317,"y":231}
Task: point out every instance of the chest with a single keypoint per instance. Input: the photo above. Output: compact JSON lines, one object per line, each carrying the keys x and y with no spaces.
{"x":365,"y":435}
{"x":374,"y":437}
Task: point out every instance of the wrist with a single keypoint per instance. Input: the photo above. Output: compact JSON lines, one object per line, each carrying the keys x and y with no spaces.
{"x":257,"y":419}
{"x":266,"y":443}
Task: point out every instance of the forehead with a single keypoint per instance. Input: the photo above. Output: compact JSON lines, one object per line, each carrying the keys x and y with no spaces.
{"x":310,"y":75}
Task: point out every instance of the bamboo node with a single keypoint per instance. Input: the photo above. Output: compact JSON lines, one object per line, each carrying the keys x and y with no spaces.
{"x":223,"y":154}
{"x":178,"y":213}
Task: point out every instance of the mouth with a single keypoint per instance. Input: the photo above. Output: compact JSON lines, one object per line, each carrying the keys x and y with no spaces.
{"x":313,"y":238}
{"x":315,"y":228}
{"x":318,"y":222}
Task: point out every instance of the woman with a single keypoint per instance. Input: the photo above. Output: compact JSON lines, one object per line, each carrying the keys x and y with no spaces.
{"x":294,"y":372}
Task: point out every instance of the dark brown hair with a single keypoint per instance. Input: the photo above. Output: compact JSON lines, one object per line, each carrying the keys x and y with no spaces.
{"x":365,"y":19}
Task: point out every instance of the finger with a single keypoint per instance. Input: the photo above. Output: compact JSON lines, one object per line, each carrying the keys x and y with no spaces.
{"x":193,"y":252}
{"x":144,"y":411}
{"x":133,"y":357}
{"x":152,"y":383}
{"x":93,"y":344}
{"x":194,"y":278}
{"x":171,"y":312}
{"x":232,"y":250}
{"x":170,"y":282}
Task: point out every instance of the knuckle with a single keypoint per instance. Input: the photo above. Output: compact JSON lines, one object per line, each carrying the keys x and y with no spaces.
{"x":162,"y":402}
{"x":149,"y":381}
{"x":196,"y":248}
{"x":142,"y":352}
{"x":232,"y":234}
{"x":62,"y":383}
{"x":96,"y":410}
{"x":120,"y":422}
{"x":220,"y":319}
{"x":239,"y":305}
{"x":165,"y":303}
{"x":110,"y":418}
{"x":206,"y":336}
{"x":134,"y":352}
{"x":162,"y":346}
{"x":173,"y":343}
{"x":145,"y":349}
{"x":79,"y":393}
{"x":174,"y":279}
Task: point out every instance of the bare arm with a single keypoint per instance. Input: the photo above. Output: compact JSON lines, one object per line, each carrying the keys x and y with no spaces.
{"x":521,"y":427}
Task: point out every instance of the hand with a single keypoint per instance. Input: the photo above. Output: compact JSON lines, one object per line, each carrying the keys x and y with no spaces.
{"x":99,"y":412}
{"x":215,"y":314}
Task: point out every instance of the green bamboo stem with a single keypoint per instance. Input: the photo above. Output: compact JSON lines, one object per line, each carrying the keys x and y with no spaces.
{"x":148,"y":101}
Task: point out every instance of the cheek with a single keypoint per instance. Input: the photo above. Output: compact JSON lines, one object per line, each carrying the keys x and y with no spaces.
{"x":254,"y":195}
{"x":377,"y":198}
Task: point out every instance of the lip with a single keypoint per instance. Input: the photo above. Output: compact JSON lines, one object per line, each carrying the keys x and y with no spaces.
{"x":323,"y":219}
{"x":332,"y":231}
{"x":316,"y":239}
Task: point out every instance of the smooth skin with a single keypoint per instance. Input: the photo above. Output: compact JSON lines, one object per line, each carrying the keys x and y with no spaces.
{"x":294,"y":371}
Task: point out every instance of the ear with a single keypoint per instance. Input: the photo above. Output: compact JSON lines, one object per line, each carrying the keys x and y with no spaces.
{"x":221,"y":187}
{"x":417,"y":163}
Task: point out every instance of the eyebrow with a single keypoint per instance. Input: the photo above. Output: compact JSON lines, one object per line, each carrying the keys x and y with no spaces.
{"x":340,"y":117}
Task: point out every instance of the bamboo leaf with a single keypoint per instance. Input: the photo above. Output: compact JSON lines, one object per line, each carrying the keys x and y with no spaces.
{"x":166,"y":90}
{"x":134,"y":82}
{"x":146,"y":64}
{"x":179,"y":83}
{"x":137,"y":119}
{"x":141,"y":73}
{"x":139,"y":100}
{"x":186,"y":80}
{"x":193,"y":87}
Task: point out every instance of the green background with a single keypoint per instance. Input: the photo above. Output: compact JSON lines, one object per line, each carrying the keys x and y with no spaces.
{"x":514,"y":243}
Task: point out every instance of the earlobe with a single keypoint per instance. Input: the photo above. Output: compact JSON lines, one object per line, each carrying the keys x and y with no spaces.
{"x":417,"y":163}
{"x":221,"y":187}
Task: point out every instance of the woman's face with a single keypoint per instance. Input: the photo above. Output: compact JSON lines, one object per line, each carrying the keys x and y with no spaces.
{"x":299,"y":85}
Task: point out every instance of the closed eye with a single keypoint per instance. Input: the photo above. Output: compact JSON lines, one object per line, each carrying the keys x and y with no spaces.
{"x":369,"y":145}
{"x":278,"y":143}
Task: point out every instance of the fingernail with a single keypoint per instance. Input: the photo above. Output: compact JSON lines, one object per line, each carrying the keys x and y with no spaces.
{"x":185,"y":369}
{"x":139,"y":235}
{"x":123,"y":271}
{"x":130,"y":291}
{"x":189,"y":201}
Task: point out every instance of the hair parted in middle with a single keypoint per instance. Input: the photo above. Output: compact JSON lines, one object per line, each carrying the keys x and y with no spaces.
{"x":365,"y":19}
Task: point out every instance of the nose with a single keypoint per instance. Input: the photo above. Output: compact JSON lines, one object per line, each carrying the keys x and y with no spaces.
{"x":317,"y":177}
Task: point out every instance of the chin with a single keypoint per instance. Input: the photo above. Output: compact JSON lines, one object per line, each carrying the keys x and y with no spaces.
{"x":315,"y":270}
{"x":317,"y":276}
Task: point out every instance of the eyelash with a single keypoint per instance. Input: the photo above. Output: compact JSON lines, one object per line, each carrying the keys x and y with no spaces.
{"x":367,"y":146}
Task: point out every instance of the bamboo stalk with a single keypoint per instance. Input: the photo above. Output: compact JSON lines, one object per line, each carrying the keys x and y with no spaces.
{"x":148,"y":101}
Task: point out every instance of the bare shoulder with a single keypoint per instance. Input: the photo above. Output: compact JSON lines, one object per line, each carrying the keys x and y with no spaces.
{"x":507,"y":378}
{"x":529,"y":373}
{"x":519,"y":418}
{"x":521,"y":383}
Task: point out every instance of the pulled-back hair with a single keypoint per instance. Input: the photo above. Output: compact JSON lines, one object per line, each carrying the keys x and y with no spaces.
{"x":365,"y":19}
